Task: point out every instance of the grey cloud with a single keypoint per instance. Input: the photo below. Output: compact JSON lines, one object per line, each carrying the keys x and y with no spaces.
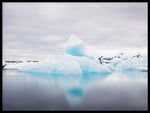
{"x":47,"y":26}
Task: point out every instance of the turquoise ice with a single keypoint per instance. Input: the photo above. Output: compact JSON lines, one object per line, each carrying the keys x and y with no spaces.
{"x":76,"y":61}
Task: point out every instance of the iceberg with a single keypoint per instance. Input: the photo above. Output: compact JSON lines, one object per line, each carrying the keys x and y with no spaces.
{"x":66,"y":67}
{"x":115,"y":61}
{"x":76,"y":61}
{"x":111,"y":67}
{"x":75,"y":46}
{"x":87,"y":65}
{"x":41,"y":67}
{"x":134,"y":63}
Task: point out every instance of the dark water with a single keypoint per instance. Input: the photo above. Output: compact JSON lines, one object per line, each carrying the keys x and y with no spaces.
{"x":34,"y":91}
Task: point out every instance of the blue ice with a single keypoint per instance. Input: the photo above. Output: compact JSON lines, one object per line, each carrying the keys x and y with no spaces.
{"x":76,"y":61}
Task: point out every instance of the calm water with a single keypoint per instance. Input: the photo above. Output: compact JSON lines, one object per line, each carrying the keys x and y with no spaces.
{"x":116,"y":91}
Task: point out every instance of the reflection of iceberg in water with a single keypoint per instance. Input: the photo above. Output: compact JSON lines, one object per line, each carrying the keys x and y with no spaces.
{"x":74,"y":87}
{"x":71,"y":87}
{"x":74,"y":95}
{"x":75,"y":92}
{"x":79,"y":92}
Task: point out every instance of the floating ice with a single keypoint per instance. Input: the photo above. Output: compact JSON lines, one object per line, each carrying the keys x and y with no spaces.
{"x":75,"y":46}
{"x":10,"y":66}
{"x":133,"y":64}
{"x":107,"y":58}
{"x":111,"y":67}
{"x":115,"y":61}
{"x":42,"y":66}
{"x":75,"y":61}
{"x":66,"y":67}
{"x":87,"y":65}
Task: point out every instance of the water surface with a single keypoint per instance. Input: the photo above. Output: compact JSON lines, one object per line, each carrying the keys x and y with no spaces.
{"x":34,"y":91}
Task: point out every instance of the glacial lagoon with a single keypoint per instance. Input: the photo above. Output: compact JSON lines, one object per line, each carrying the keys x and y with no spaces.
{"x":125,"y":90}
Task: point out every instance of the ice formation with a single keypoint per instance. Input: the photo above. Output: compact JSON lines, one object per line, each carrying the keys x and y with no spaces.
{"x":41,"y":67}
{"x":66,"y":67}
{"x":115,"y":61}
{"x":86,"y":64}
{"x":75,"y":61}
{"x":75,"y":46}
{"x":133,"y":64}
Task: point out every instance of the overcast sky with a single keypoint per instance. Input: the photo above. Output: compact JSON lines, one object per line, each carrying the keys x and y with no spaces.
{"x":37,"y":30}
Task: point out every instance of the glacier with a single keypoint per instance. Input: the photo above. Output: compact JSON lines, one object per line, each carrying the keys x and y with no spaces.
{"x":76,"y":61}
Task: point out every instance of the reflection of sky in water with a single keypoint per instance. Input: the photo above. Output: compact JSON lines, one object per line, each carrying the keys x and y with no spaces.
{"x":116,"y":91}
